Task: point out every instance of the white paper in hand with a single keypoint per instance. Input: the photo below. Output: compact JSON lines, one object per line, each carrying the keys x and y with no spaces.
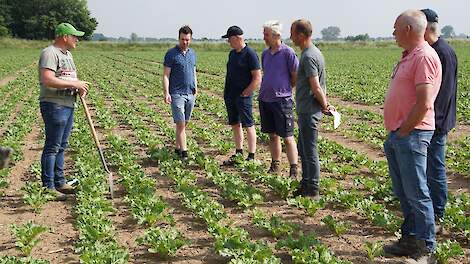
{"x":336,"y":119}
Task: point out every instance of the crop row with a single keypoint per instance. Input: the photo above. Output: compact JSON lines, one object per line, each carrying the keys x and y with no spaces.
{"x":352,"y":163}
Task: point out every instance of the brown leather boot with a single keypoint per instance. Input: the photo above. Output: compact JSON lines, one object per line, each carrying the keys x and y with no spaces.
{"x":66,"y":189}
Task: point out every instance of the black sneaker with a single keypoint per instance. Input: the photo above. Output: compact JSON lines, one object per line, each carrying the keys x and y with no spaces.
{"x":307,"y":192}
{"x":293,"y":171}
{"x":184,"y":155}
{"x":178,"y":153}
{"x":423,"y":255}
{"x":405,"y":246}
{"x":274,"y":168}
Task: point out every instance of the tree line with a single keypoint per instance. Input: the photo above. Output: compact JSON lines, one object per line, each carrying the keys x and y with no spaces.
{"x":332,"y":33}
{"x":37,"y":19}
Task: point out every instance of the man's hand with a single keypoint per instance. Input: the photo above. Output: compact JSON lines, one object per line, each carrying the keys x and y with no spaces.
{"x":247,"y":92}
{"x":82,"y":87}
{"x":168,"y":98}
{"x":328,"y":110}
{"x":195,"y":92}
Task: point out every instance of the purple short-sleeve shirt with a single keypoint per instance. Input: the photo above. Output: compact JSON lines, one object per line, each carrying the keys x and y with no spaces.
{"x":277,"y":69}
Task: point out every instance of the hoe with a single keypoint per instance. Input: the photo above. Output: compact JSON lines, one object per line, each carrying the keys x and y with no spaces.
{"x":98,"y":146}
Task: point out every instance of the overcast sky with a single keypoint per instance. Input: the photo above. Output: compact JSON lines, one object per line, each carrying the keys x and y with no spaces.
{"x":211,"y":18}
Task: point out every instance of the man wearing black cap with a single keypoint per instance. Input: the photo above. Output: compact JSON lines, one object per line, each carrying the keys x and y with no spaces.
{"x":445,"y":116}
{"x":59,"y":86}
{"x":243,"y":77}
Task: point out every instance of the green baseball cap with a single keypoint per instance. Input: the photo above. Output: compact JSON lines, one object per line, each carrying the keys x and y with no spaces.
{"x":66,"y":29}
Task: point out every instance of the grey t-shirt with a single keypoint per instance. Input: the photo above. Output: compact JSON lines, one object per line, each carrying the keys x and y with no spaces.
{"x":311,"y":63}
{"x":62,"y":64}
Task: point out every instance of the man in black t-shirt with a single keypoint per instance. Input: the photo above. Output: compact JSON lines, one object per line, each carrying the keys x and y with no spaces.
{"x":445,"y":115}
{"x":243,"y":77}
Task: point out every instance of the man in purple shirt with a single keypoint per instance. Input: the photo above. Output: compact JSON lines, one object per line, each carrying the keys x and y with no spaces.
{"x":280,"y":65}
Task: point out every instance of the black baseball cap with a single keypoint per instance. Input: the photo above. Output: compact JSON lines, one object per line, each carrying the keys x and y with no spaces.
{"x":233,"y":31}
{"x":431,"y":15}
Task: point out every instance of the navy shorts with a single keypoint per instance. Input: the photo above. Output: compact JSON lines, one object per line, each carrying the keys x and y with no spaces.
{"x":240,"y":110}
{"x":277,"y":117}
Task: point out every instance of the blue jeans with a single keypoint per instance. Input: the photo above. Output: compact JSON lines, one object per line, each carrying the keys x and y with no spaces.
{"x":407,"y":161}
{"x":58,"y":121}
{"x":436,"y":172}
{"x":308,"y":149}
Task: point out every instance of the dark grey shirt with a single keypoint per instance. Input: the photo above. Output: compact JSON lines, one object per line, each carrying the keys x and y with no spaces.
{"x":311,"y":64}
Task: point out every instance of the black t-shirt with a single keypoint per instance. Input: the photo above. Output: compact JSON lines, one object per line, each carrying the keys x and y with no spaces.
{"x":239,"y":67}
{"x":446,"y":100}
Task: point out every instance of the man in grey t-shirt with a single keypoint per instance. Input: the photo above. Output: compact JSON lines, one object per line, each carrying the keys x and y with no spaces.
{"x":311,"y":102}
{"x":59,"y":86}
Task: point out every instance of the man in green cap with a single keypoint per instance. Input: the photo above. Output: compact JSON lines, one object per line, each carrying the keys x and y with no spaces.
{"x":59,"y":86}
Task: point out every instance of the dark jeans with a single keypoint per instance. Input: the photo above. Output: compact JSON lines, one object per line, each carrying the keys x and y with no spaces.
{"x":308,"y":149}
{"x":407,"y":161}
{"x":58,"y":121}
{"x":436,"y":173}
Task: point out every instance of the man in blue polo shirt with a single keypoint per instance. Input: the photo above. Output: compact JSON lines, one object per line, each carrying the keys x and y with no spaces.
{"x":275,"y":97}
{"x":243,"y":77}
{"x":180,"y":86}
{"x":445,"y":116}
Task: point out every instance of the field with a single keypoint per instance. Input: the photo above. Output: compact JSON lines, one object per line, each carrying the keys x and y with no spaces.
{"x":166,"y":211}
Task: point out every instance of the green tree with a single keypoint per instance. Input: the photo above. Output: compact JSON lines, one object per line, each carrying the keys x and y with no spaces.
{"x":330,"y":33}
{"x":37,"y":19}
{"x":448,"y":31}
{"x":134,"y":37}
{"x":360,"y":37}
{"x":5,"y":18}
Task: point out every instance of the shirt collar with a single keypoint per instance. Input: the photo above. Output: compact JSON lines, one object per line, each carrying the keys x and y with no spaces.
{"x":408,"y":54}
{"x":177,"y":47}
{"x":281,"y":47}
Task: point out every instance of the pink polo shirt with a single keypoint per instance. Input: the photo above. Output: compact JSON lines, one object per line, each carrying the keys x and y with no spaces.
{"x":421,"y":65}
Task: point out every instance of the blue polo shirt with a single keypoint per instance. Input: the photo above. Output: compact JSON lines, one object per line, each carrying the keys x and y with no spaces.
{"x":182,"y":66}
{"x":446,"y":100}
{"x":239,"y":67}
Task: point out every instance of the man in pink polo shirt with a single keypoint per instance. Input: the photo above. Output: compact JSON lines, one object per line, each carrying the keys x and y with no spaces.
{"x":409,"y":117}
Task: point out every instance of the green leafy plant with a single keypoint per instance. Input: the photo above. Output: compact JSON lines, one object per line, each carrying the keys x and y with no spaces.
{"x":339,"y":227}
{"x":163,"y":241}
{"x":320,"y":254}
{"x":310,"y":205}
{"x":35,"y":169}
{"x":373,"y":249}
{"x":25,"y":260}
{"x":302,"y":242}
{"x":274,"y":224}
{"x":448,"y":250}
{"x":36,"y":196}
{"x":27,"y":236}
